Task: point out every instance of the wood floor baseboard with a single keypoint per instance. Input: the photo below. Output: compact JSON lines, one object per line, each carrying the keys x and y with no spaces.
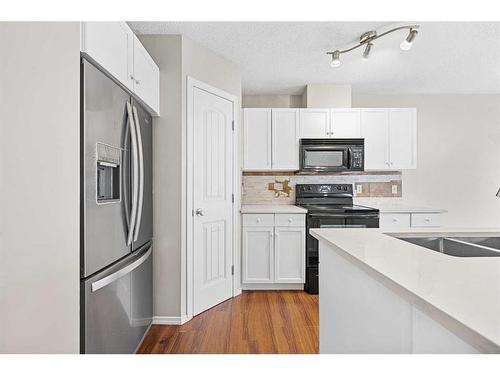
{"x":170,"y":320}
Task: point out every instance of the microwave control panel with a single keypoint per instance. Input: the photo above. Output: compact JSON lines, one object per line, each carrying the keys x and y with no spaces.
{"x":357,"y":161}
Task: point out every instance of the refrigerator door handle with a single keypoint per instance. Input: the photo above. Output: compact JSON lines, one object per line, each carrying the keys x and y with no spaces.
{"x":101,"y":283}
{"x":141,"y":174}
{"x":135,"y":177}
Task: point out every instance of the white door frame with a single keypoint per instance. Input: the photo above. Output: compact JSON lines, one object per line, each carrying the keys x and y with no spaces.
{"x":187,"y":274}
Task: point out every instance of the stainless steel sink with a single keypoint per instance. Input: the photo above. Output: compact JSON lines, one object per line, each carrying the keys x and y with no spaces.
{"x":493,"y":242}
{"x":459,"y":246}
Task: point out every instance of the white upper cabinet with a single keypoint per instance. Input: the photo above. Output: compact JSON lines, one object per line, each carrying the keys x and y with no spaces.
{"x":330,"y":123}
{"x":110,"y":44}
{"x":285,"y":139}
{"x":257,"y":138}
{"x":314,"y":123}
{"x":374,"y":129}
{"x":390,"y":137}
{"x":345,"y":123}
{"x":403,"y":138}
{"x":117,"y":50}
{"x":146,"y":76}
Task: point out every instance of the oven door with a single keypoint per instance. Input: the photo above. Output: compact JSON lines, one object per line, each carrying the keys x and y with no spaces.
{"x":335,"y":220}
{"x":319,"y":221}
{"x":362,"y":221}
{"x":324,"y":158}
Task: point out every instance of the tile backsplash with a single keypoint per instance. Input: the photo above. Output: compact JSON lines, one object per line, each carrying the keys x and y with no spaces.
{"x":255,"y":189}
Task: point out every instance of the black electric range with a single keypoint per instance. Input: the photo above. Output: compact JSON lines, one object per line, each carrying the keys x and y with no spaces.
{"x":329,"y":206}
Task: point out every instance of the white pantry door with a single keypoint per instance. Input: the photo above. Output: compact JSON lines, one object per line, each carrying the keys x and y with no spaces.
{"x":212,"y":201}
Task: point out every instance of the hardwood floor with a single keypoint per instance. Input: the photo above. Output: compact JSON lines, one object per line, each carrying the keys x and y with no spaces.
{"x":274,"y":322}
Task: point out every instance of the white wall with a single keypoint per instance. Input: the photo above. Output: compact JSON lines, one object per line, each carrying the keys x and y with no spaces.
{"x":271,"y":101}
{"x":167,"y":174}
{"x":39,"y":187}
{"x":178,"y":57}
{"x":327,"y":96}
{"x":458,"y":166}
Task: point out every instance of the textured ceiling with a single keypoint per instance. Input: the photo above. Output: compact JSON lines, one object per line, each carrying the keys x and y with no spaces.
{"x":282,"y":57}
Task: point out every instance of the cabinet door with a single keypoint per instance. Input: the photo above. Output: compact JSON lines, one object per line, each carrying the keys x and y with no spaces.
{"x":110,"y":44}
{"x":285,"y":139}
{"x":256,"y":139}
{"x":374,"y":129}
{"x":289,"y":258}
{"x":402,"y":138}
{"x":146,"y":77}
{"x":314,"y":123}
{"x":257,"y":254}
{"x":346,"y":123}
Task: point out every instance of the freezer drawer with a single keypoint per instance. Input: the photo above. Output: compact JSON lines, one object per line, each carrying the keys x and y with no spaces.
{"x":118,"y":305}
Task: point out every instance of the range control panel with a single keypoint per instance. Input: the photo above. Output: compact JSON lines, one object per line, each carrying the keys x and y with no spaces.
{"x":321,"y":189}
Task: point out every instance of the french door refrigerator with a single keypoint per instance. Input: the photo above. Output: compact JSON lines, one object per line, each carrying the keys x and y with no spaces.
{"x":116,"y":216}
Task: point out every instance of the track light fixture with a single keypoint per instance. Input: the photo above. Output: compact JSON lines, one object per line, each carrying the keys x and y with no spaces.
{"x":369,"y":37}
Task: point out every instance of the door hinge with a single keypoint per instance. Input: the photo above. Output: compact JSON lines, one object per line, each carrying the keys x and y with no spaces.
{"x":232,"y":198}
{"x":192,"y":212}
{"x":232,"y":270}
{"x":232,"y":125}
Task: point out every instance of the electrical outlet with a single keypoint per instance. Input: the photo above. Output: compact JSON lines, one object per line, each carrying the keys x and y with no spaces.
{"x":394,"y":189}
{"x":359,"y":189}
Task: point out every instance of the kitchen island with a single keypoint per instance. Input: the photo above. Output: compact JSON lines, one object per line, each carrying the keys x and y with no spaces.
{"x":380,"y":294}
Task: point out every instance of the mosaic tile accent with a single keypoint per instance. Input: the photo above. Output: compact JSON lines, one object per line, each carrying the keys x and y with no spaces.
{"x":255,"y":187}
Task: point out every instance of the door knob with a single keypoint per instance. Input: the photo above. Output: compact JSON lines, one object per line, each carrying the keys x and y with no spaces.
{"x":199,"y":212}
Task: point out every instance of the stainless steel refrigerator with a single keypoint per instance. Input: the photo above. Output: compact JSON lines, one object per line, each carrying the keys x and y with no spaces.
{"x":116,"y":216}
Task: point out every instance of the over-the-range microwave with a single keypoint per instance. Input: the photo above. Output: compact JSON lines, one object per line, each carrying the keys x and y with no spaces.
{"x":331,"y":155}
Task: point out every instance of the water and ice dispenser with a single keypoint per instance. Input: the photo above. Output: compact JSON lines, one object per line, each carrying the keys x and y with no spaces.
{"x":108,"y":173}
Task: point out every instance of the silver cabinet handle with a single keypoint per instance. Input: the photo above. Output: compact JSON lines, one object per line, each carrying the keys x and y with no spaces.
{"x":199,"y":212}
{"x":135,"y":177}
{"x":141,"y":174}
{"x":101,"y":283}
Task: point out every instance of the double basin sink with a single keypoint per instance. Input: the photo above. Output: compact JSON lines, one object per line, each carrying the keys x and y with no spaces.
{"x":458,"y":246}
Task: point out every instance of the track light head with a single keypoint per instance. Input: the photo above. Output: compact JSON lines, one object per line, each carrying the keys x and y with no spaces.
{"x":368,"y":49}
{"x":407,"y":43}
{"x":335,"y":59}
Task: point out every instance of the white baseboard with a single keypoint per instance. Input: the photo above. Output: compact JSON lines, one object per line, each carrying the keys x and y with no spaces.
{"x":170,"y":320}
{"x":282,"y":286}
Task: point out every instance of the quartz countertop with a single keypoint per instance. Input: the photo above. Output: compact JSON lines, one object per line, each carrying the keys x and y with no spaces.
{"x":465,"y":289}
{"x":272,"y":209}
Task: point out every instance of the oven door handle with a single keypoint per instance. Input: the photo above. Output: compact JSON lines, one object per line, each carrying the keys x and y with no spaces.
{"x":345,"y":216}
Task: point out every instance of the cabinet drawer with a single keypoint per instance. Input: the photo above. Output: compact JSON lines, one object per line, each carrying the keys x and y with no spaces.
{"x":257,"y":220}
{"x":426,"y":220}
{"x":290,"y":220}
{"x":394,"y":220}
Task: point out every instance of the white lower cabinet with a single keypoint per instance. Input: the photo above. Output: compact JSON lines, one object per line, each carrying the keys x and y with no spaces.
{"x":258,"y":246}
{"x":289,"y":262}
{"x":273,"y":255}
